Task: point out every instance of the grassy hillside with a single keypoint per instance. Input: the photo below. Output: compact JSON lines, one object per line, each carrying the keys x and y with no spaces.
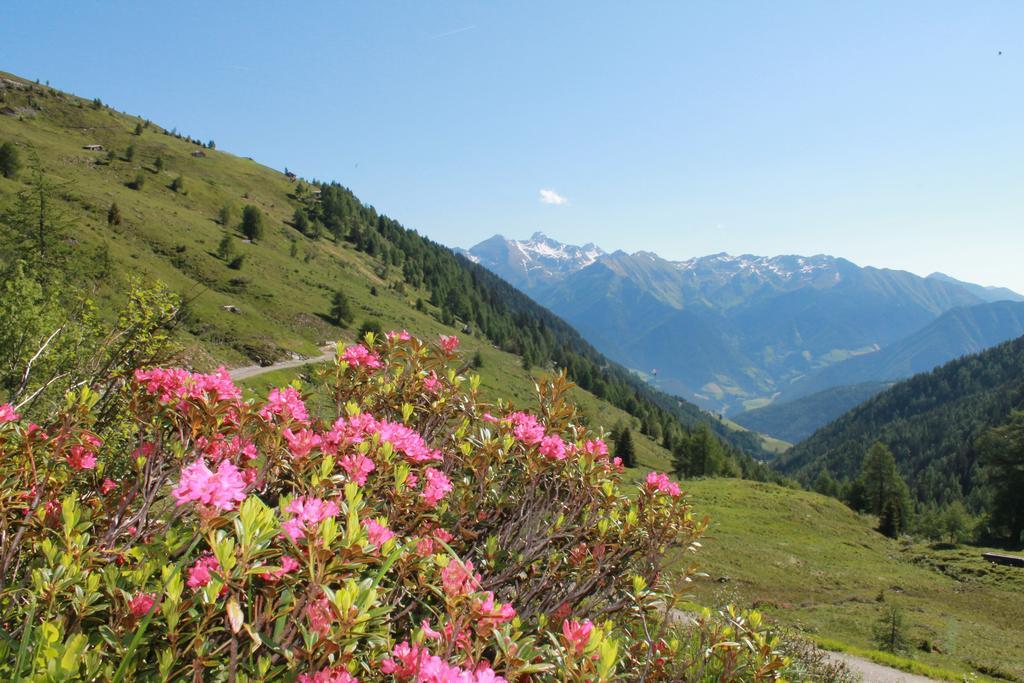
{"x":277,"y":303}
{"x":810,"y":562}
{"x":930,"y":422}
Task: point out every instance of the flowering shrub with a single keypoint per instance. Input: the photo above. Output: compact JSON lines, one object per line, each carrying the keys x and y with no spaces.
{"x":389,"y":526}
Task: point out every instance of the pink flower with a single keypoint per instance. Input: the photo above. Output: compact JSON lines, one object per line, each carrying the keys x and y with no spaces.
{"x":7,"y":413}
{"x":431,"y":383}
{"x":200,"y":573}
{"x":320,"y":615}
{"x":177,"y":384}
{"x":379,"y":534}
{"x":437,"y":487}
{"x":457,"y":578}
{"x":358,"y":467}
{"x":487,"y":417}
{"x":107,"y":486}
{"x":596,"y":448}
{"x":577,"y":634}
{"x":490,"y":613}
{"x":415,"y":664}
{"x":400,"y":336}
{"x":449,"y":343}
{"x":223,"y":489}
{"x":302,"y":443}
{"x":660,"y":483}
{"x":141,"y":604}
{"x":429,"y":632}
{"x":287,"y":404}
{"x":553,"y":447}
{"x":407,"y":441}
{"x":335,"y":675}
{"x":288,"y":565}
{"x":425,"y":547}
{"x":306,"y":513}
{"x":81,"y":459}
{"x":358,"y":356}
{"x":526,"y":428}
{"x":443,"y":535}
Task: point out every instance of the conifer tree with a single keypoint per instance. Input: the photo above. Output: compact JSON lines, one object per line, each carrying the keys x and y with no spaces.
{"x":113,"y":214}
{"x":624,"y":448}
{"x":341,"y":310}
{"x":10,"y":160}
{"x":252,"y":222}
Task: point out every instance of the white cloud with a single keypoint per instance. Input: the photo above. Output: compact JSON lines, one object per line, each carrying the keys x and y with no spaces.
{"x":552,"y":197}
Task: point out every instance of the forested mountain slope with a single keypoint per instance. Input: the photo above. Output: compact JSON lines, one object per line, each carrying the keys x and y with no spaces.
{"x":795,"y":420}
{"x":260,"y":255}
{"x":931,"y":422}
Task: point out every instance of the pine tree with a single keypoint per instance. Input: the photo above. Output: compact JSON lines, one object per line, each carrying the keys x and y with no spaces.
{"x":129,"y":153}
{"x":10,"y":160}
{"x":1002,"y":451}
{"x":159,"y":164}
{"x":341,"y":310}
{"x":624,"y":448}
{"x":138,"y":128}
{"x":178,"y":185}
{"x":301,"y":221}
{"x":890,"y":630}
{"x":226,"y":248}
{"x":113,"y":214}
{"x":878,"y":472}
{"x":252,"y":222}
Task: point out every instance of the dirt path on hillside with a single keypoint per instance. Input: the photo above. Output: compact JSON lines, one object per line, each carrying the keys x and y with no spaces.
{"x":247,"y":371}
{"x":875,"y":673}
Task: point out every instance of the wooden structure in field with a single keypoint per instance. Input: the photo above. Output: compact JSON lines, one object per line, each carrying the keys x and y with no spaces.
{"x":1009,"y":560}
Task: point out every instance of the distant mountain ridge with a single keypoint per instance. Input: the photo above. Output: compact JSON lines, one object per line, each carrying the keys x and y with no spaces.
{"x":729,"y":332}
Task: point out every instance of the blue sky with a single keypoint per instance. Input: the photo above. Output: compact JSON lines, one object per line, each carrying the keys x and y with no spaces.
{"x":888,"y":133}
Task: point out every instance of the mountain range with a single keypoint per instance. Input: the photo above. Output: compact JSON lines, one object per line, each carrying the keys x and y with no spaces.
{"x":733,"y":333}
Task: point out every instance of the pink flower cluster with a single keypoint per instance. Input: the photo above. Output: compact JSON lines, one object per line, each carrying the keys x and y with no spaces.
{"x":307,"y":512}
{"x":7,"y":413}
{"x":577,"y":634}
{"x":449,"y":343}
{"x":596,"y":448}
{"x":320,"y":615}
{"x":399,"y":335}
{"x":141,"y":604}
{"x":552,"y":446}
{"x":659,"y":482}
{"x":407,"y":441}
{"x":336,"y":675}
{"x":200,"y":573}
{"x":358,"y":356}
{"x":379,"y":533}
{"x":287,"y":404}
{"x":489,"y":613}
{"x":358,"y":467}
{"x":526,"y":428}
{"x":222,"y":489}
{"x":178,"y":384}
{"x":458,"y":578}
{"x":361,"y":427}
{"x":288,"y":565}
{"x":414,"y":663}
{"x":437,"y":487}
{"x":303,"y":442}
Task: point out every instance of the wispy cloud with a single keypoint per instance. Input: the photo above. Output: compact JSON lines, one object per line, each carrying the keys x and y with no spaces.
{"x":552,"y":197}
{"x":452,"y":32}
